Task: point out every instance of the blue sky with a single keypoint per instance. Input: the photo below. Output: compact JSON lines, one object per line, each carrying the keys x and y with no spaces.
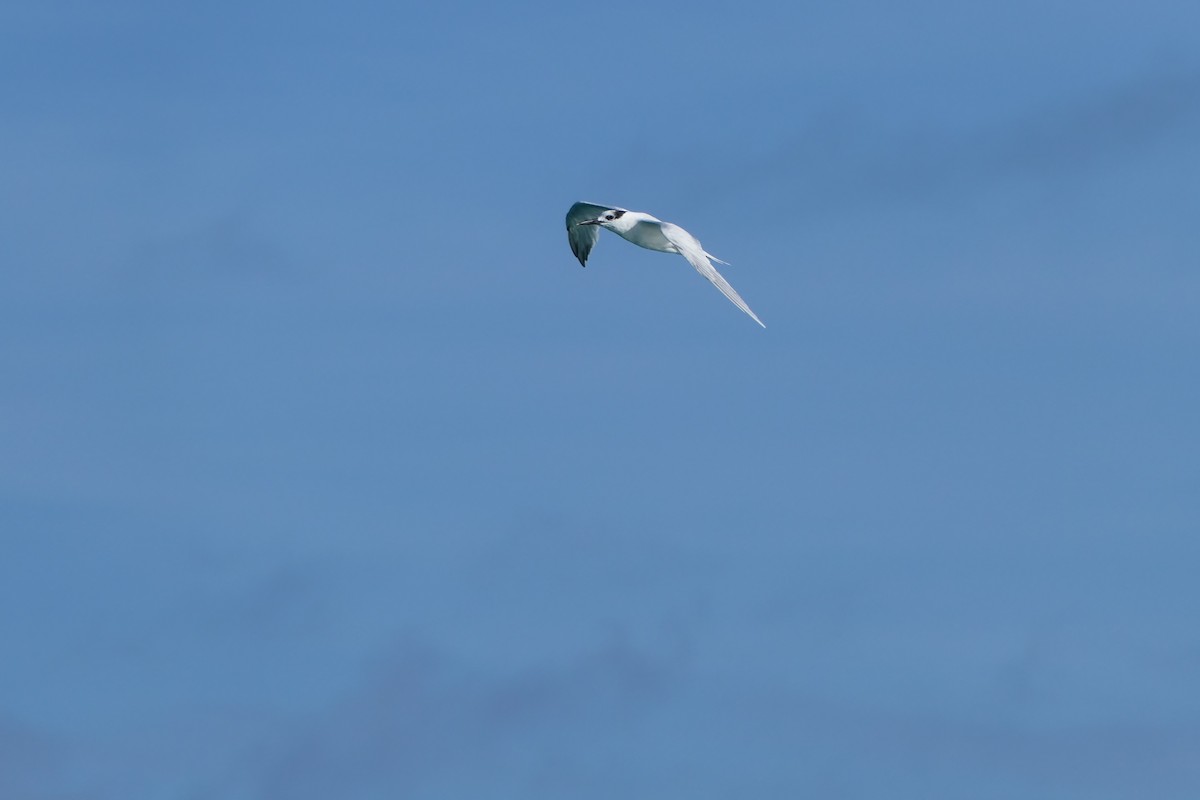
{"x":325,"y":471}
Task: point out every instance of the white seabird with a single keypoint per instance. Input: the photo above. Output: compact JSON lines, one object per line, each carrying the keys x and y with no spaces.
{"x":585,"y":219}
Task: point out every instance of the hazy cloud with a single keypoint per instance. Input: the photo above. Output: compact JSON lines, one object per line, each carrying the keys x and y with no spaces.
{"x":424,"y":715}
{"x":846,"y":157}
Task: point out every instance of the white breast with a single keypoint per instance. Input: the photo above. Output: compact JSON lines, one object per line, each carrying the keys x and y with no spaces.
{"x":646,"y":232}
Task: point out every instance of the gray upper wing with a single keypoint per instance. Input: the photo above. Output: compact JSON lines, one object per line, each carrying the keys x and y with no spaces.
{"x":583,"y":237}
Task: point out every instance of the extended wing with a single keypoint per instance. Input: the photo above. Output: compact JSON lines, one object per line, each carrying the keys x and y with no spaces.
{"x":690,"y":249}
{"x":583,"y":237}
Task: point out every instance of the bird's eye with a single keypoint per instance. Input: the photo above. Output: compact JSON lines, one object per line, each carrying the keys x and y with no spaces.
{"x":610,"y":216}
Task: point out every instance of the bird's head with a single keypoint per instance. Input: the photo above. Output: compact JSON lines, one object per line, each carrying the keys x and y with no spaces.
{"x":607,"y":218}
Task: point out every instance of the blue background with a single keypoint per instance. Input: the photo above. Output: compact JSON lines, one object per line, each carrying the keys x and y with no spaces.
{"x":326,"y":472}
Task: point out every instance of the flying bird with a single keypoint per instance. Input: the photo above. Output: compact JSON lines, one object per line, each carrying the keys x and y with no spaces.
{"x":584,"y":221}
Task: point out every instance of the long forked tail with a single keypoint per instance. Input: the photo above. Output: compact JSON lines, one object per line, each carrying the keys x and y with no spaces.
{"x":714,"y":258}
{"x":687,"y":246}
{"x":700,"y":260}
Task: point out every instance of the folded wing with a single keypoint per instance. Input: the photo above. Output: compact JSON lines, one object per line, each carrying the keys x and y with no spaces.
{"x":583,"y":237}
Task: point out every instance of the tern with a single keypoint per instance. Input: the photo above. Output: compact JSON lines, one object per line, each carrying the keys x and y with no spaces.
{"x":585,"y":219}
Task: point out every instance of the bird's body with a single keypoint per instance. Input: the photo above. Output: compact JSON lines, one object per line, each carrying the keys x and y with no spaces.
{"x":644,"y":231}
{"x":649,"y":232}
